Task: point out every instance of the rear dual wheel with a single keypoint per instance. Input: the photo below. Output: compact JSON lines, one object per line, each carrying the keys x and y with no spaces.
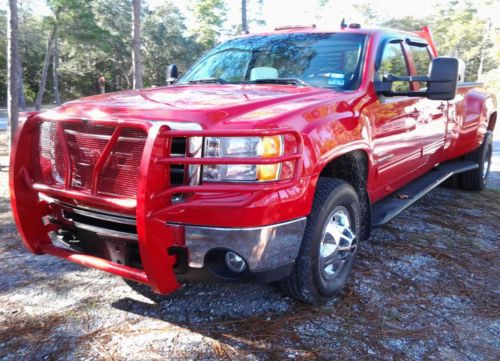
{"x":475,"y":180}
{"x":329,"y":245}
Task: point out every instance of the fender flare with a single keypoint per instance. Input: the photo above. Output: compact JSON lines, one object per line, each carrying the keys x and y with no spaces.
{"x":359,"y":145}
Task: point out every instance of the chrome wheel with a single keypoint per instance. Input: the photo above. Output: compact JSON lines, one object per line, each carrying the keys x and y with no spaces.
{"x":487,"y":163}
{"x":338,"y":243}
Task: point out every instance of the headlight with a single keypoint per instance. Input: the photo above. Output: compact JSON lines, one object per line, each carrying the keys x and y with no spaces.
{"x":242,"y":147}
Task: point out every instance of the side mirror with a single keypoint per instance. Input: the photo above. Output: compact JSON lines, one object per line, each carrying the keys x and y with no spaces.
{"x":172,"y":74}
{"x":441,"y":83}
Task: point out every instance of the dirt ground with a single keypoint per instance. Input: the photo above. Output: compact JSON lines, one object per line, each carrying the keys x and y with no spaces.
{"x":425,"y":287}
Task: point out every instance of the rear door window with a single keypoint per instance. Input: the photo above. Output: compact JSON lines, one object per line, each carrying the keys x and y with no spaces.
{"x":422,"y":60}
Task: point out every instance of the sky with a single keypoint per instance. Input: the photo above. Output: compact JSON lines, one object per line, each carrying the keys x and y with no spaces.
{"x":288,"y":12}
{"x":304,"y":12}
{"x":294,"y":12}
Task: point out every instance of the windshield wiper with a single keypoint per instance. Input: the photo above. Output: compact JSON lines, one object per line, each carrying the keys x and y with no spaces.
{"x":208,"y":81}
{"x":289,"y":81}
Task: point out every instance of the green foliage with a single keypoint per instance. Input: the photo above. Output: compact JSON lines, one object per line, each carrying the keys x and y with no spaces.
{"x":459,"y":30}
{"x":32,"y":43}
{"x":407,"y":23}
{"x":164,"y":43}
{"x":210,"y":15}
{"x":94,"y":37}
{"x":458,"y":33}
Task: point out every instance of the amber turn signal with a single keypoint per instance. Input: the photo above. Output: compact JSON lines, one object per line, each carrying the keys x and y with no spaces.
{"x":272,"y":146}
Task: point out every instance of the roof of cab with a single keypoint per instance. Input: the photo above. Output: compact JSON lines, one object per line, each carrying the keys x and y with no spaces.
{"x":424,"y":34}
{"x":310,"y":29}
{"x":291,"y":29}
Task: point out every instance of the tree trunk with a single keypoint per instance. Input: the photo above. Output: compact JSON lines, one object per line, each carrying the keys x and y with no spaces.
{"x":12,"y":70}
{"x":55,"y":66}
{"x":22,"y":41}
{"x":127,"y":79}
{"x":244,"y":21}
{"x":22,"y":99}
{"x":136,"y":43}
{"x":43,"y":79}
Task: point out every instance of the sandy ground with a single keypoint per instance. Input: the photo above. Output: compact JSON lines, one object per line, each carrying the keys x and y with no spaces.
{"x":426,"y":287}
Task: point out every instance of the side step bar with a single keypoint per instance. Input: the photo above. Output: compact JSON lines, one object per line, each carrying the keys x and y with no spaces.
{"x":388,"y":208}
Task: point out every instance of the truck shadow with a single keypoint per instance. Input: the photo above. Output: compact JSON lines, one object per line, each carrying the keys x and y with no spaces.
{"x":244,"y":315}
{"x":201,"y":303}
{"x":232,"y":317}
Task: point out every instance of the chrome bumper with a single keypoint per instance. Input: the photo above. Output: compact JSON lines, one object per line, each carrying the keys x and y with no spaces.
{"x":263,"y":248}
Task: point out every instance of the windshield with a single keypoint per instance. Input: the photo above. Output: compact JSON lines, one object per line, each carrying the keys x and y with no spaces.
{"x":323,"y":60}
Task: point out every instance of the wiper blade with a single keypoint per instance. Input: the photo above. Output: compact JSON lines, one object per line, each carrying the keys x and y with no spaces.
{"x":289,"y":81}
{"x":208,"y":81}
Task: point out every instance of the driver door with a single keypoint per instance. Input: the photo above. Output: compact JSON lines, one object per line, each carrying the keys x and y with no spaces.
{"x":397,"y":147}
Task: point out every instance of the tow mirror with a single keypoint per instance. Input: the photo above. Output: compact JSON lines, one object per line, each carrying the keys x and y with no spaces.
{"x":441,"y":82}
{"x":172,"y":74}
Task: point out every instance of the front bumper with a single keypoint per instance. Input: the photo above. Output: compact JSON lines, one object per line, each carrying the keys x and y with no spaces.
{"x":268,"y":251}
{"x":263,"y":248}
{"x":154,"y":239}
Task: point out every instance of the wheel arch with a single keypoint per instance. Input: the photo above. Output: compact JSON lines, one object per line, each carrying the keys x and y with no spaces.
{"x":353,"y":167}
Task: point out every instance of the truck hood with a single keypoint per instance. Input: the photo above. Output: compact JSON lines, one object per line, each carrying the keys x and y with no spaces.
{"x":210,"y":103}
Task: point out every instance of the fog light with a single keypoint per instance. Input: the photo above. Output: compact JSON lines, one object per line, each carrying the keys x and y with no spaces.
{"x":235,"y":263}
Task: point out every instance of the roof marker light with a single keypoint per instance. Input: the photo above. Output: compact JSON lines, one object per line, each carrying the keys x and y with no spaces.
{"x":289,"y":27}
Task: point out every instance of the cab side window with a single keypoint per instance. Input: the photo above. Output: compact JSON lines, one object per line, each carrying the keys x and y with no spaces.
{"x":393,"y":62}
{"x":422,"y":60}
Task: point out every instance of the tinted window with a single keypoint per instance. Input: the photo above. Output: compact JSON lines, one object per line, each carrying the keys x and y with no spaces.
{"x":229,"y":67}
{"x":325,"y":60}
{"x":421,"y":58}
{"x":393,"y":62}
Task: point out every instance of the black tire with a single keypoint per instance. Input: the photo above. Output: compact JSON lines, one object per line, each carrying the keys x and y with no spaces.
{"x":453,"y":182}
{"x":475,"y":180}
{"x":307,"y":281}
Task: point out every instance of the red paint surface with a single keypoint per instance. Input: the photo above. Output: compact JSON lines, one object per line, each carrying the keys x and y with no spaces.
{"x":403,"y":138}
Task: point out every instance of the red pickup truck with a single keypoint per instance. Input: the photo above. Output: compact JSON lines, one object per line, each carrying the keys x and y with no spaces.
{"x":271,"y":159}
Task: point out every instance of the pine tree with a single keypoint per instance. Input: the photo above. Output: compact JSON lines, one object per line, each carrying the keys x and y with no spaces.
{"x":210,"y":16}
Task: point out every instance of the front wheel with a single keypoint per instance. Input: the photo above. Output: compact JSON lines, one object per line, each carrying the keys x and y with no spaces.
{"x":329,"y":245}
